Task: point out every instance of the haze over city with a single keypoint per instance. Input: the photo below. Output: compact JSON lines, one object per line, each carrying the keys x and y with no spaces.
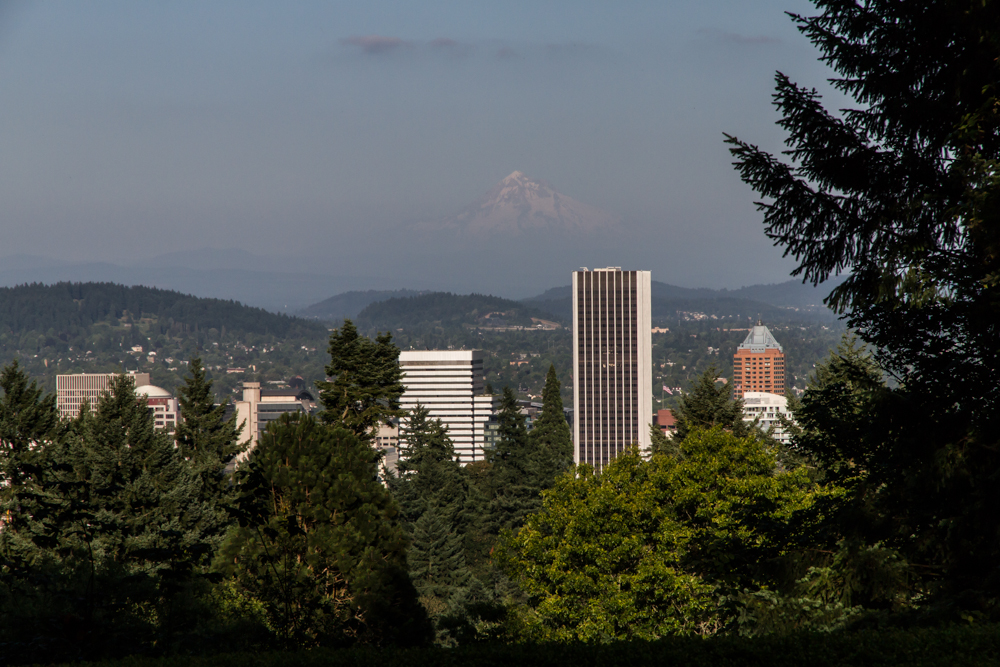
{"x":332,"y":139}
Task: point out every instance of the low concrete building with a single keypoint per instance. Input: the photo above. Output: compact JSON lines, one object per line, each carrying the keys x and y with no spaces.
{"x":259,"y":407}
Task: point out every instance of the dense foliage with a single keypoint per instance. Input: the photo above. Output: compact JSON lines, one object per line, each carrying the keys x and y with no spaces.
{"x":318,"y":543}
{"x":654,"y":548}
{"x":902,"y":192}
{"x":969,"y":646}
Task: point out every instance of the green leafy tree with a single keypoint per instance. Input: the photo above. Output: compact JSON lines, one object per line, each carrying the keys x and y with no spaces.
{"x":841,"y":569}
{"x":901,"y":192}
{"x":204,"y":436}
{"x":709,"y":404}
{"x":366,"y":381}
{"x":649,"y":548}
{"x":550,"y":437}
{"x":319,"y":542}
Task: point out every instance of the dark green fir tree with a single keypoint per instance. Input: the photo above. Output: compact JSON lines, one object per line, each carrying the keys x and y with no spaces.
{"x":204,"y":436}
{"x":437,"y":560}
{"x":28,"y":420}
{"x":514,"y":469}
{"x":365,"y":381}
{"x":709,"y":404}
{"x":320,"y":544}
{"x":550,"y":437}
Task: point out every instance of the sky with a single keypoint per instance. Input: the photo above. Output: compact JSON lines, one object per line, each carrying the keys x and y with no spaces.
{"x":312,"y":134}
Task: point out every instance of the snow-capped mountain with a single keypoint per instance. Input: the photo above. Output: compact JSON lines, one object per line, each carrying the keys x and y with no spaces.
{"x":519,"y":204}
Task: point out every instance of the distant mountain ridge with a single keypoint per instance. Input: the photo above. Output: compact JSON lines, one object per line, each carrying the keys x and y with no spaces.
{"x":349,"y":304}
{"x":769,"y":301}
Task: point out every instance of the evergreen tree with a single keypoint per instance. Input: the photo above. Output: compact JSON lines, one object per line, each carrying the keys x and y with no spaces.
{"x":28,"y":419}
{"x":660,"y":443}
{"x":366,"y":381}
{"x":900,"y":193}
{"x":709,"y":404}
{"x":550,"y":437}
{"x":513,"y":460}
{"x":150,"y":500}
{"x":319,"y":542}
{"x":514,"y":472}
{"x":117,"y":525}
{"x":204,"y":436}
{"x":437,"y":560}
{"x":444,"y":514}
{"x":430,"y":478}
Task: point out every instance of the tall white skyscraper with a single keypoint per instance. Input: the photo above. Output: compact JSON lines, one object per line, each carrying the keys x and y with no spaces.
{"x":612,"y":363}
{"x":449,"y":383}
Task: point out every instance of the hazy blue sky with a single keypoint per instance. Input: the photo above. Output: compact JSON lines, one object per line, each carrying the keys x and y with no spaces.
{"x":316,"y":129}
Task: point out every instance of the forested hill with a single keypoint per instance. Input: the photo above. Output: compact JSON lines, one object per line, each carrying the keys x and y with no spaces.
{"x":349,"y":304}
{"x":446,"y":310}
{"x":104,"y":327}
{"x":67,"y":307}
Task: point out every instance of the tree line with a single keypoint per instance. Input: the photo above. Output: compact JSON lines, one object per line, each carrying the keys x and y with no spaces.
{"x":69,"y":306}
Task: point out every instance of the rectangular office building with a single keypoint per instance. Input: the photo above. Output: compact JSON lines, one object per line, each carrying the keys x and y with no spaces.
{"x":449,"y":383}
{"x":612,"y":363}
{"x":73,"y":390}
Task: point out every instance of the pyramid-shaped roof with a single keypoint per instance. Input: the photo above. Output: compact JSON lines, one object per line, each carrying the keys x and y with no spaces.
{"x":760,"y":339}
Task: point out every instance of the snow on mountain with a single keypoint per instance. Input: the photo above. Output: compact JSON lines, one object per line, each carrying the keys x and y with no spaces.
{"x":519,"y":204}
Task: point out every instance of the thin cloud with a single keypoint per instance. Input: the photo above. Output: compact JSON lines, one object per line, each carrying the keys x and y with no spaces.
{"x":375,"y":44}
{"x":571,"y":49}
{"x":443,"y":43}
{"x":737,"y":38}
{"x":506,"y":53}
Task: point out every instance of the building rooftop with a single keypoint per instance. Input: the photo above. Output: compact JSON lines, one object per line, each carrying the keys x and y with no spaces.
{"x":760,"y":339}
{"x":152,"y":391}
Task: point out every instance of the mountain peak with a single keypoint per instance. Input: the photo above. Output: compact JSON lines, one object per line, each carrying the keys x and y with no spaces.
{"x":520,"y":204}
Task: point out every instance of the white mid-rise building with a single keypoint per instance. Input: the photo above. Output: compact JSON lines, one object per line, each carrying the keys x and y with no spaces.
{"x":767,"y":408}
{"x":450,"y":383}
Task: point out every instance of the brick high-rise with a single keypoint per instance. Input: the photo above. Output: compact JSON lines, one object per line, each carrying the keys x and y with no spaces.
{"x":759,"y":364}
